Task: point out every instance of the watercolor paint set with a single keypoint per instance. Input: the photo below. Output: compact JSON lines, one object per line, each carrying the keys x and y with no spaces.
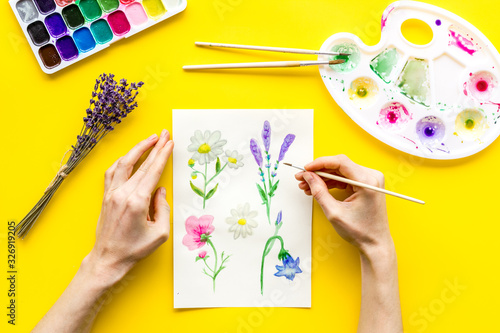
{"x":62,"y":32}
{"x":440,"y":100}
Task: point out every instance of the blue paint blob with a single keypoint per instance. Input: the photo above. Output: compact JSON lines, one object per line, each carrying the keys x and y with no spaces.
{"x":55,"y":25}
{"x":84,"y":40}
{"x":67,"y":48}
{"x":438,"y":22}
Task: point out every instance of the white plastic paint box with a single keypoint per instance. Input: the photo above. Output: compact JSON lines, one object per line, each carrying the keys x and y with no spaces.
{"x":63,"y":32}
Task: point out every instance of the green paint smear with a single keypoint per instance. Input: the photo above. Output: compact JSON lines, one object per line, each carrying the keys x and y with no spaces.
{"x":351,"y":61}
{"x":90,"y":9}
{"x":109,"y":5}
{"x":413,"y":81}
{"x":384,"y":64}
{"x":101,"y":31}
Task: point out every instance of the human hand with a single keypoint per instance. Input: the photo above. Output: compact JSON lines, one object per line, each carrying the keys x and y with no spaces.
{"x":125,"y":231}
{"x":361,"y":219}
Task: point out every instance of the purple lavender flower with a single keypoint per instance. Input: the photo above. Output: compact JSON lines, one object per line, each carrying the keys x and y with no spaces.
{"x":284,"y":147}
{"x":266,"y":136}
{"x":257,"y":154}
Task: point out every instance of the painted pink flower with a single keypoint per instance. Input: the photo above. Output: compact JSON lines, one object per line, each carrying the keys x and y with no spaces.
{"x":197,"y":231}
{"x":202,"y":254}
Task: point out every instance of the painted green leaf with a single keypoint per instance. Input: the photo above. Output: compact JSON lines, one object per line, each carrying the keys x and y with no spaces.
{"x":217,"y":165}
{"x":212,"y":191}
{"x":197,"y":258}
{"x":273,"y":189}
{"x":262,"y":194}
{"x":196,"y":190}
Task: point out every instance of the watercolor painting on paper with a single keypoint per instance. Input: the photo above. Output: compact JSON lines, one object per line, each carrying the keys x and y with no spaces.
{"x":242,"y":228}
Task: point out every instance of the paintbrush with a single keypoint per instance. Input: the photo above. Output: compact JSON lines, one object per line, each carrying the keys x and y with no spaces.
{"x":268,"y":64}
{"x":356,"y":183}
{"x":271,"y":49}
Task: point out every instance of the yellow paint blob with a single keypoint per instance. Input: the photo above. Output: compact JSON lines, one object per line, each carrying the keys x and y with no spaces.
{"x":204,"y":149}
{"x":232,"y":160}
{"x":154,"y":8}
{"x":242,"y":221}
{"x":363,"y":92}
{"x":470,"y":124}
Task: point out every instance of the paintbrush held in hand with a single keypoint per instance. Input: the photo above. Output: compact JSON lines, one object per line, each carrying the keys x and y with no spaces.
{"x":111,"y":102}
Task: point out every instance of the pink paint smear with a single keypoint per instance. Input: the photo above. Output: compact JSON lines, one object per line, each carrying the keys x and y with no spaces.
{"x":461,"y":42}
{"x":386,"y":13}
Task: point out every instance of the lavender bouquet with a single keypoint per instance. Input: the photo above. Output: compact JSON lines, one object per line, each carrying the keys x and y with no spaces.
{"x":111,"y":102}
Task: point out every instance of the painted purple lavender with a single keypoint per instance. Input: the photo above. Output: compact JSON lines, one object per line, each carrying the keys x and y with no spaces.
{"x":269,"y":185}
{"x":257,"y":154}
{"x":266,"y":136}
{"x":286,"y":144}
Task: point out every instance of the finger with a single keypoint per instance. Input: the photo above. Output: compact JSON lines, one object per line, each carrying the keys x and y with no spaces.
{"x":330,"y":183}
{"x":304,"y":185}
{"x":151,"y":178}
{"x":143,"y":169}
{"x":331,"y":207}
{"x":299,"y":176}
{"x":161,"y":213}
{"x":108,"y":176}
{"x":126,"y":163}
{"x":341,"y":164}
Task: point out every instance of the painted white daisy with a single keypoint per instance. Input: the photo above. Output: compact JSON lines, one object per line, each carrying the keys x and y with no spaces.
{"x":206,"y":146}
{"x":242,"y":221}
{"x":233,"y":159}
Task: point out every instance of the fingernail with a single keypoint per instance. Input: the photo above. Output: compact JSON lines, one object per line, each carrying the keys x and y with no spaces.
{"x":163,"y":133}
{"x":152,"y":137}
{"x":163,"y":191}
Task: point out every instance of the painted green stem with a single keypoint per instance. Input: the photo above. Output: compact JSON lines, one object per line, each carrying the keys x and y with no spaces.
{"x":277,"y":228}
{"x":268,"y":244}
{"x":217,"y":174}
{"x":209,"y":242}
{"x":205,"y":175}
{"x":205,"y":186}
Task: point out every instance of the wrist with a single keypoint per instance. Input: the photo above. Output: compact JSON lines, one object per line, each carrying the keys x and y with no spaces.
{"x":103,"y":275}
{"x":379,"y":256}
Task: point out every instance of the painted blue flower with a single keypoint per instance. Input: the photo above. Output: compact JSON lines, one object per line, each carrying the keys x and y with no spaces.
{"x":279,"y":217}
{"x":289,"y":269}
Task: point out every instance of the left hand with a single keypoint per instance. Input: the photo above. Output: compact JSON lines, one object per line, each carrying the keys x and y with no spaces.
{"x":125,"y":232}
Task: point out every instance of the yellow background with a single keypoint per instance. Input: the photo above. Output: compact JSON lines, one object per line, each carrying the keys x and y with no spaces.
{"x":453,"y":237}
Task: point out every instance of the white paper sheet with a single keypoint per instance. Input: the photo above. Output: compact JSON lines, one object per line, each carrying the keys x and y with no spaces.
{"x":237,"y":207}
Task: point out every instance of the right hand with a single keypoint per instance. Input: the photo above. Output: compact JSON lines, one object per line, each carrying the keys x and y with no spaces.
{"x":361,"y":219}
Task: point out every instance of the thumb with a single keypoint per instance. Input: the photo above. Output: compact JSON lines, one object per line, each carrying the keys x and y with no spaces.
{"x":162,"y":212}
{"x":320,"y":193}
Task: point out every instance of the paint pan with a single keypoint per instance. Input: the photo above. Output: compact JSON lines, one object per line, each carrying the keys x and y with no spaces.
{"x":62,"y":32}
{"x":434,"y":95}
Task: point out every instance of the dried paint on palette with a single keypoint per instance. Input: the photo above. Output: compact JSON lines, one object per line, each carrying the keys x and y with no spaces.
{"x":414,"y":81}
{"x":470,"y":124}
{"x":363,"y":92}
{"x":481,"y":86}
{"x":394,"y":117}
{"x":462,"y":40}
{"x":352,"y":60}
